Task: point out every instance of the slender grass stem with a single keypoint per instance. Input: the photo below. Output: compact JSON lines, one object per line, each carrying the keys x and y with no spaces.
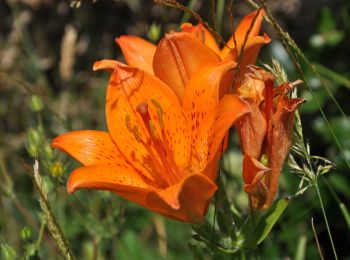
{"x":315,"y":235}
{"x":334,"y":76}
{"x":243,"y":256}
{"x":41,"y":234}
{"x":220,"y":7}
{"x":341,"y":205}
{"x":186,"y":16}
{"x":326,"y":221}
{"x":52,"y":223}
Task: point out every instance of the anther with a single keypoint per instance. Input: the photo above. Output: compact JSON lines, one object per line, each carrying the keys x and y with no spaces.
{"x":202,"y":35}
{"x":153,"y":130}
{"x":128,"y":123}
{"x":159,"y":112}
{"x":137,"y":134}
{"x":142,"y":109}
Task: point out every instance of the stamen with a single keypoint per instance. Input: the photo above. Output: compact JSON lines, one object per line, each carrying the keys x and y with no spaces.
{"x":202,"y":36}
{"x":159,"y":143}
{"x":159,"y":112}
{"x":153,"y":130}
{"x":128,"y":123}
{"x":137,"y":134}
{"x":142,"y":109}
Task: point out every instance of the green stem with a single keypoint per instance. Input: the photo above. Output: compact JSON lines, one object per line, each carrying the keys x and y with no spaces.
{"x":326,"y":221}
{"x":334,"y":76}
{"x":220,"y":7}
{"x":52,"y":223}
{"x":186,"y":16}
{"x":243,"y":256}
{"x":41,"y":233}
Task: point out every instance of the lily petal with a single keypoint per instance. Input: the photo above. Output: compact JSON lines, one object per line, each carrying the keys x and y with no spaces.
{"x":230,"y":109}
{"x":253,"y":174}
{"x":280,"y":137}
{"x":122,"y":180}
{"x":249,"y":55}
{"x":201,"y":100}
{"x":251,"y":129}
{"x":128,"y":88}
{"x":178,"y":57}
{"x":247,"y":25}
{"x":201,"y":33}
{"x":89,"y":147}
{"x":107,"y":65}
{"x":137,"y":52}
{"x":174,"y":201}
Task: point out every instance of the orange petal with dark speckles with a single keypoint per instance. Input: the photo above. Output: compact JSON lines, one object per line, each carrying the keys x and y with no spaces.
{"x":89,"y":147}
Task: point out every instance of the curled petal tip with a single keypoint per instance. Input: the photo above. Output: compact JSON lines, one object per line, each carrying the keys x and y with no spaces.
{"x":117,"y":40}
{"x":108,"y":65}
{"x":121,"y":39}
{"x":266,"y":38}
{"x":71,"y":187}
{"x":54,"y":143}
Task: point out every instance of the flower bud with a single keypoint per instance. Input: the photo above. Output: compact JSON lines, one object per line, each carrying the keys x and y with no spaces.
{"x":36,"y":104}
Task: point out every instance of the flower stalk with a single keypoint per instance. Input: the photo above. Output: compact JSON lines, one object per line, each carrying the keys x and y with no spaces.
{"x":52,"y":223}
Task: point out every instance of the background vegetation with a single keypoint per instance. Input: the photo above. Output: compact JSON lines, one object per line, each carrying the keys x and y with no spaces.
{"x":47,"y":87}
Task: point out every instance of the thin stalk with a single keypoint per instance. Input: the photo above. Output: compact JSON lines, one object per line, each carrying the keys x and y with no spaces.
{"x":243,"y":256}
{"x":52,"y":223}
{"x":301,"y":248}
{"x":326,"y":221}
{"x":220,"y":7}
{"x":341,"y":205}
{"x":326,"y":72}
{"x":41,"y":233}
{"x":186,"y":16}
{"x":317,"y":242}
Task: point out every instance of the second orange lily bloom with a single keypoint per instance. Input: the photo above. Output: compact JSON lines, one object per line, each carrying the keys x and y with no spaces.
{"x":265,"y":134}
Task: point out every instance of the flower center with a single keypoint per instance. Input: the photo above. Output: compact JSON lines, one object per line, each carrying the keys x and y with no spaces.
{"x":160,"y":155}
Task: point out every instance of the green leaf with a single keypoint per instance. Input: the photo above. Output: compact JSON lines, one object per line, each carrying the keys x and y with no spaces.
{"x":259,"y":225}
{"x":215,"y":239}
{"x":7,"y":252}
{"x":327,"y":22}
{"x":345,"y":212}
{"x":301,"y":248}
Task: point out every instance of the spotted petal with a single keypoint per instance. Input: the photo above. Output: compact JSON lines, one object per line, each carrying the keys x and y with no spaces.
{"x":89,"y":147}
{"x":128,"y":87}
{"x":122,"y":180}
{"x":201,"y":101}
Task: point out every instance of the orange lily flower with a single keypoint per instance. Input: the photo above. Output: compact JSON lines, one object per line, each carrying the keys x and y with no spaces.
{"x":160,"y":150}
{"x":265,"y":134}
{"x":197,"y":44}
